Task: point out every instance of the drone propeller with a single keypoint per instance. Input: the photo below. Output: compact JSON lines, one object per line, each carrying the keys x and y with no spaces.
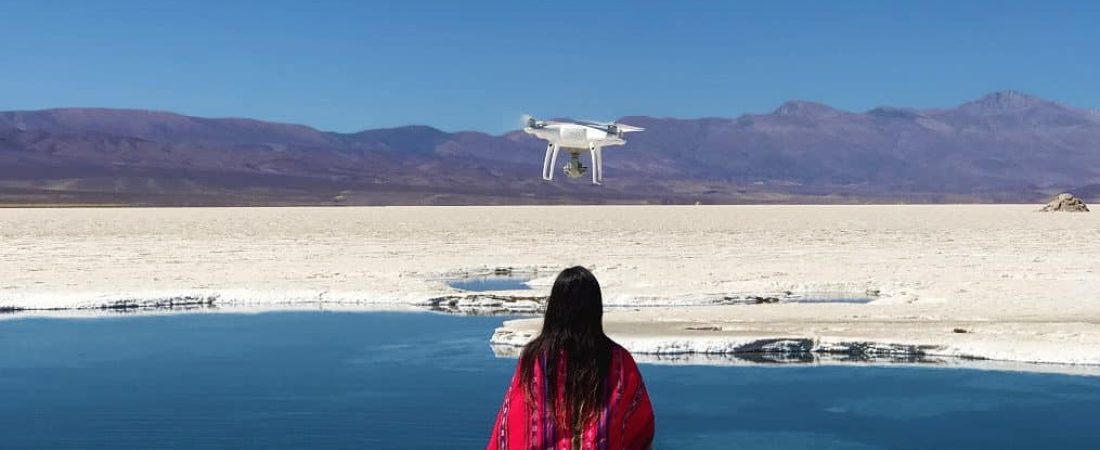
{"x":595,"y":122}
{"x":610,"y":127}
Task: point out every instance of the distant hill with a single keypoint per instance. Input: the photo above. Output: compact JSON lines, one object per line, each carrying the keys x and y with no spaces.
{"x":1004,"y":147}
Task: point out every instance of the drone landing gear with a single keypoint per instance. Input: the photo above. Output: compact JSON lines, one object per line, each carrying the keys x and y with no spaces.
{"x":597,"y":164}
{"x":573,"y":169}
{"x":549,"y":162}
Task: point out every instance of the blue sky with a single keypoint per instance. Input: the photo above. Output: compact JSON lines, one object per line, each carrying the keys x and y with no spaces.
{"x":352,"y":65}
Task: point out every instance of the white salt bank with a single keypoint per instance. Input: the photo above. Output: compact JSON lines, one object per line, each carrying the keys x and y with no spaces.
{"x":996,"y":282}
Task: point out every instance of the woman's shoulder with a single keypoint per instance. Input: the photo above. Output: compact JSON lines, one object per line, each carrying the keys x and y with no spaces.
{"x":622,"y":352}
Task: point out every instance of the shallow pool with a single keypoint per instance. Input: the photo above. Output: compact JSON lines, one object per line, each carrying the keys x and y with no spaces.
{"x":401,"y":381}
{"x":487,"y":283}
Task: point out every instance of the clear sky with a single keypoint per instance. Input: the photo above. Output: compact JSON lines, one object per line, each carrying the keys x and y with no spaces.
{"x":352,"y":65}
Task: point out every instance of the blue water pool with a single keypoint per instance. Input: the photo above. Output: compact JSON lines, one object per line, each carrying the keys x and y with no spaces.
{"x":486,"y":283}
{"x":403,"y":381}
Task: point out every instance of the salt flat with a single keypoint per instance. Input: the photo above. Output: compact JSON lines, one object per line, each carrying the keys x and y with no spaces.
{"x":1024,"y":286}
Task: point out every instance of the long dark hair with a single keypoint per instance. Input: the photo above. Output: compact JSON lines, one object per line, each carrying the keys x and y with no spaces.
{"x":572,"y":333}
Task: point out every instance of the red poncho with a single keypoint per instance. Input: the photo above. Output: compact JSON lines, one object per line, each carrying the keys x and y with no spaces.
{"x":624,"y":422}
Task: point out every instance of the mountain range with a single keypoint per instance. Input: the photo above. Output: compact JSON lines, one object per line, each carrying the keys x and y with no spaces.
{"x":1003,"y":147}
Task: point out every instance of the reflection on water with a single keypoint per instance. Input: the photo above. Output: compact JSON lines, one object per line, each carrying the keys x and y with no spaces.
{"x":403,"y":381}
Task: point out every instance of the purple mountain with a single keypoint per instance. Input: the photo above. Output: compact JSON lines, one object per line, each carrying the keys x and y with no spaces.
{"x":1006,"y":146}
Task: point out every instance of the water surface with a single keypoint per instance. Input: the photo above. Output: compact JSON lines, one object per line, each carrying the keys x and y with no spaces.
{"x":487,"y":283}
{"x":403,"y":381}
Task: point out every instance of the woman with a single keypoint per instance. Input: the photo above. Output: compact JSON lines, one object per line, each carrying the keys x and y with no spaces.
{"x":574,"y":388}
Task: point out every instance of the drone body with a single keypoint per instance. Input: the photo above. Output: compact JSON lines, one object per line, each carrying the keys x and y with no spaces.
{"x":576,"y":137}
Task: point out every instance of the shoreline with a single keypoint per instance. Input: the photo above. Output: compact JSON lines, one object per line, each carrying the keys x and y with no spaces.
{"x":698,"y":345}
{"x":713,"y":331}
{"x":1025,"y":285}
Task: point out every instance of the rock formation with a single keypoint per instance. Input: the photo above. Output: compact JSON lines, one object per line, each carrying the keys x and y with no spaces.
{"x":1065,"y":202}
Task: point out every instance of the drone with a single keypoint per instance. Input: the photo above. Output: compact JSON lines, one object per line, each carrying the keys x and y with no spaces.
{"x":576,"y":137}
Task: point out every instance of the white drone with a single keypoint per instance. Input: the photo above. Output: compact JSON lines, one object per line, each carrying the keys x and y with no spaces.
{"x":575,"y":137}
